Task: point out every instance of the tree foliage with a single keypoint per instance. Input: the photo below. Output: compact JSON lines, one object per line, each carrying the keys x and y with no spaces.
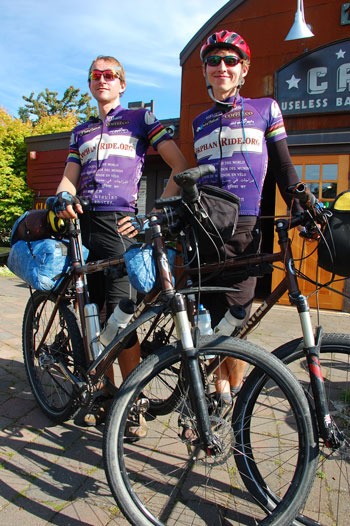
{"x":47,"y":103}
{"x":15,"y":196}
{"x":55,"y":124}
{"x":41,"y":115}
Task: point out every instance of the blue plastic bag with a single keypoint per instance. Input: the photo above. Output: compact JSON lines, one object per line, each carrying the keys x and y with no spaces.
{"x":40,"y":263}
{"x":141,"y":267}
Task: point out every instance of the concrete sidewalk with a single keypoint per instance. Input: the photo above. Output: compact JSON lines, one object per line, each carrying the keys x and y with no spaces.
{"x":53,"y":474}
{"x":49,"y":474}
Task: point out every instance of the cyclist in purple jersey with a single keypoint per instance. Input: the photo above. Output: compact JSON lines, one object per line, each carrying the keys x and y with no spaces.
{"x":105,"y":163}
{"x":110,"y":155}
{"x":240,"y":137}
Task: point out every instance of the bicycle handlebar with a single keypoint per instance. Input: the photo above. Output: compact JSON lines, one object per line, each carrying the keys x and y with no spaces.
{"x":315,"y":214}
{"x":187,"y":181}
{"x":303,"y":193}
{"x":308,"y":201}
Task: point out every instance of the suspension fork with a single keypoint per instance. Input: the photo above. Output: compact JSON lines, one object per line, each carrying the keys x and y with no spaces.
{"x":318,"y":388}
{"x":329,"y":432}
{"x":312,"y":343}
{"x":183,"y":329}
{"x":193,"y":373}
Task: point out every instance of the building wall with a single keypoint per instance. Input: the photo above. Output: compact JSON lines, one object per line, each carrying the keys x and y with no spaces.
{"x":264,"y":26}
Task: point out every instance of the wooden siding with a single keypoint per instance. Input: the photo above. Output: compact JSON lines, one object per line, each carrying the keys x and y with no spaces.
{"x":264,"y":25}
{"x":45,"y":172}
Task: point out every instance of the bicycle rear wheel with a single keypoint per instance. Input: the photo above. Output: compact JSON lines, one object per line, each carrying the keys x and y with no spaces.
{"x":63,"y":345}
{"x":167,"y":478}
{"x":328,"y":502}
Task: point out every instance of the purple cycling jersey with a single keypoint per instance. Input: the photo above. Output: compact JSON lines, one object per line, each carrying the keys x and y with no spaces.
{"x":235,"y":142}
{"x":111,"y":154}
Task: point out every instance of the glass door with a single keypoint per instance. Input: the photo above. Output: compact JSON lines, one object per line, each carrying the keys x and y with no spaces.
{"x":326,"y":176}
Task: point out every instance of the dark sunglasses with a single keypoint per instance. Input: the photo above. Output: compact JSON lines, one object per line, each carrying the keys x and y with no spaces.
{"x":215,"y":60}
{"x":108,"y":74}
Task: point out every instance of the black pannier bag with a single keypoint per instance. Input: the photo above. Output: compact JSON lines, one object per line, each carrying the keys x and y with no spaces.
{"x":334,"y":246}
{"x":37,"y":224}
{"x":218,"y":216}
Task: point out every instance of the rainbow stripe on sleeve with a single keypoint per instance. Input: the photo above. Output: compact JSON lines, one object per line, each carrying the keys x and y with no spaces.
{"x":156,"y":135}
{"x":275,"y":131}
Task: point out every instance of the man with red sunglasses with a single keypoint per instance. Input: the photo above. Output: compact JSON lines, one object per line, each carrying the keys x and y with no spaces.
{"x":240,"y":137}
{"x":105,"y":164}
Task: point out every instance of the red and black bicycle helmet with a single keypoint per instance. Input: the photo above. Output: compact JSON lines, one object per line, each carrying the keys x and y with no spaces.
{"x":226,"y":39}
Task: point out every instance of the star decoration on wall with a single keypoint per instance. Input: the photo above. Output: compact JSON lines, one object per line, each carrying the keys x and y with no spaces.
{"x":340,"y":54}
{"x":293,"y":82}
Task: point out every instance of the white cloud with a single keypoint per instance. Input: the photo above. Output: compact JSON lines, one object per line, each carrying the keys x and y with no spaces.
{"x":51,"y":45}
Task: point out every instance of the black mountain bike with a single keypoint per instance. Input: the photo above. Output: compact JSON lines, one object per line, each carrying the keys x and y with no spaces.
{"x":186,"y":470}
{"x":320,"y":361}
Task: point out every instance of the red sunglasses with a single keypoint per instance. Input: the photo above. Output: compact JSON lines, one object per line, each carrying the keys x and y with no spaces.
{"x":108,"y":75}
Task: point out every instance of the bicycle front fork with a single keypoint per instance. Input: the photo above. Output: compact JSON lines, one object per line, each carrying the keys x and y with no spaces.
{"x":193,"y":376}
{"x":328,"y":431}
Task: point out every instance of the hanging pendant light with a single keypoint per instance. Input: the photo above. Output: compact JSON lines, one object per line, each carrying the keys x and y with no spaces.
{"x":299,"y":29}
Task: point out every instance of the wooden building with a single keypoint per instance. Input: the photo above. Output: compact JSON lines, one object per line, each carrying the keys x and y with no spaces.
{"x":309,"y":77}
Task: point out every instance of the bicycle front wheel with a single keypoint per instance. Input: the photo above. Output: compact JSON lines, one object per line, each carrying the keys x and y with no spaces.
{"x":61,"y":349}
{"x":165,"y":476}
{"x":328,"y":502}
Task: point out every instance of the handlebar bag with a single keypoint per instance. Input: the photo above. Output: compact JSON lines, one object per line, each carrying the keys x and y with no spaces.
{"x":141,"y":266}
{"x":334,"y":245}
{"x":40,"y":263}
{"x":217,"y":218}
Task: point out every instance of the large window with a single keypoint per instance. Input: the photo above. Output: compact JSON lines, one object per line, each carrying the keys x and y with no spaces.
{"x":322,"y":178}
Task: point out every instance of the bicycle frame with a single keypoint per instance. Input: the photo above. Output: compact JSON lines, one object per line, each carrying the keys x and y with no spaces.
{"x":183,"y":328}
{"x":167,"y":298}
{"x":312,"y":341}
{"x":76,"y":275}
{"x":183,"y":314}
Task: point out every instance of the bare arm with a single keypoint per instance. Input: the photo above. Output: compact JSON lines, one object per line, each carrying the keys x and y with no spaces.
{"x":171,"y":154}
{"x":69,"y":183}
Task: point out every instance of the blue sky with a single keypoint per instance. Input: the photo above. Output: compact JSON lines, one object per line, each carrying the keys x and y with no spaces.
{"x":50,"y":44}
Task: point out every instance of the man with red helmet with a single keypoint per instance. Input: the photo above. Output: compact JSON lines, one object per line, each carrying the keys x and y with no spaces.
{"x":239,"y":136}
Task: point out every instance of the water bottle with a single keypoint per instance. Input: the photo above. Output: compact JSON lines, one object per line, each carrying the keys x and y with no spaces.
{"x":92,"y":319}
{"x":118,"y":320}
{"x":203,"y":321}
{"x":231,"y":322}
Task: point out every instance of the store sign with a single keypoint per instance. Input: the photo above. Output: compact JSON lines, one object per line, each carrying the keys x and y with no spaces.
{"x":317,"y":82}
